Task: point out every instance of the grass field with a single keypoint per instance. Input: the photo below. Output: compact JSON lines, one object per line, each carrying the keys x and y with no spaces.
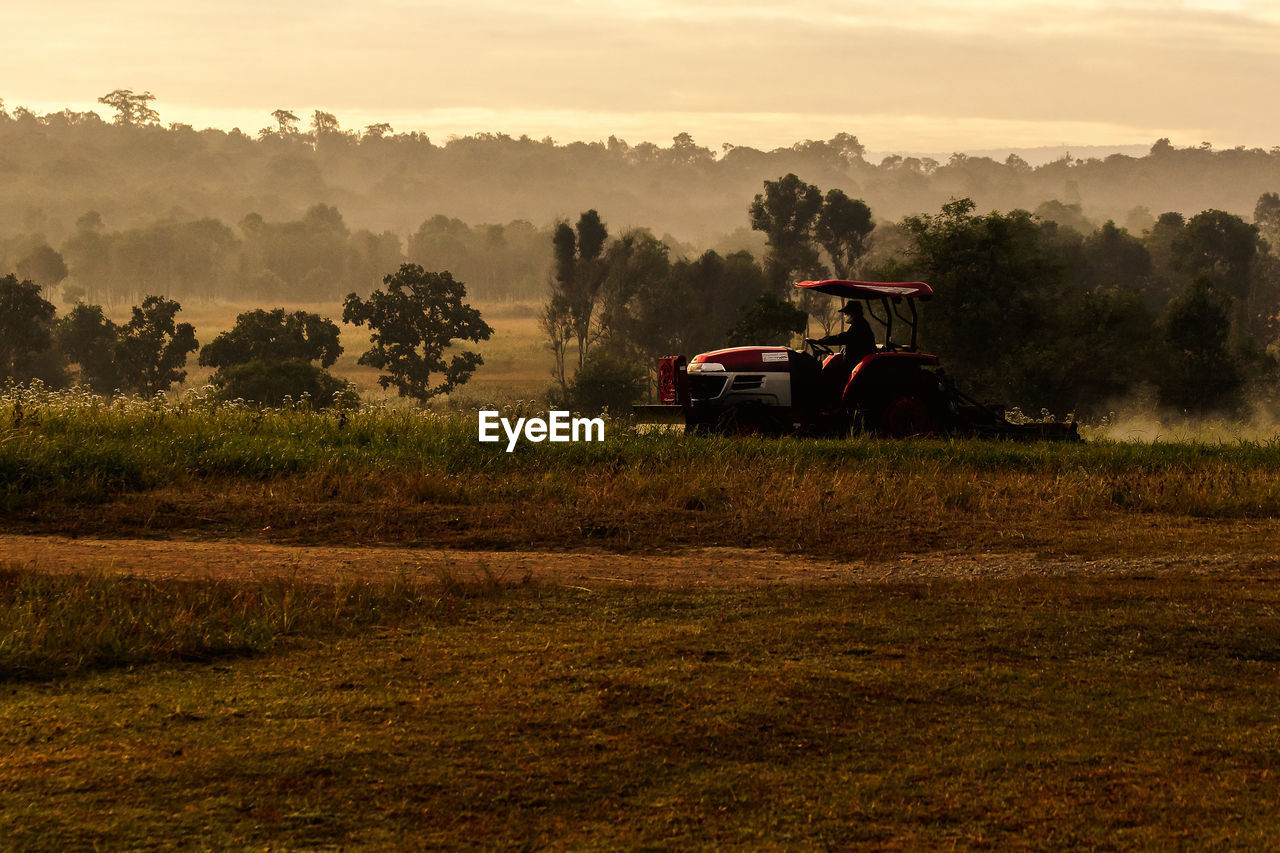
{"x":517,"y":364}
{"x":1134,"y":708}
{"x":76,"y":465}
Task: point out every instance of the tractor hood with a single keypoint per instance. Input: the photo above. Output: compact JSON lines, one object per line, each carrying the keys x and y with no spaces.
{"x":755,"y":359}
{"x":869,"y":289}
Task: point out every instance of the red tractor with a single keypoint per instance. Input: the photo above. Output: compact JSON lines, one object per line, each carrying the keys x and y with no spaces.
{"x":893,"y":391}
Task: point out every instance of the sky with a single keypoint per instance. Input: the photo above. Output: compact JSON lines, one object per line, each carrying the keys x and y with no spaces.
{"x":909,"y":75}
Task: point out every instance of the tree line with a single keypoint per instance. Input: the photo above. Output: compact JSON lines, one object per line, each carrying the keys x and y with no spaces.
{"x":268,"y":357}
{"x":1037,"y":309}
{"x":316,"y":258}
{"x":134,"y":170}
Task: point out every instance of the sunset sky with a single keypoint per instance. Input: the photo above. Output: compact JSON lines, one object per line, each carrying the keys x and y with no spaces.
{"x":920,"y":76}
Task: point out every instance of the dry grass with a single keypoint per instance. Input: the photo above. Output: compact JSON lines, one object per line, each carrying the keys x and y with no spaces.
{"x":1096,"y":713}
{"x":60,"y":625}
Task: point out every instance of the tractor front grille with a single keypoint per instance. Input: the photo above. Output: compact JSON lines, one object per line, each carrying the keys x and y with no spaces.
{"x":703,"y":387}
{"x":747,"y":382}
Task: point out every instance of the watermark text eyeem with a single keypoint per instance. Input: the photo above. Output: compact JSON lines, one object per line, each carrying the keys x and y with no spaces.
{"x":556,"y":426}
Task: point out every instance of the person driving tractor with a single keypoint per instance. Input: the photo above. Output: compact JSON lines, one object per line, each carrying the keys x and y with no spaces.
{"x":857,"y":339}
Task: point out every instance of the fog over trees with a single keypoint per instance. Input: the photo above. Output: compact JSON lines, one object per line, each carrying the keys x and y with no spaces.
{"x":134,"y":172}
{"x":1067,"y":285}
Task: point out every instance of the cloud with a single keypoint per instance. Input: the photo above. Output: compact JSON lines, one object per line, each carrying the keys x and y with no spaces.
{"x":1132,"y":67}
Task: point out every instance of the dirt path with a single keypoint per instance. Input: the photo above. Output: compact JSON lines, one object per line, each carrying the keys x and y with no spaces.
{"x":706,"y":566}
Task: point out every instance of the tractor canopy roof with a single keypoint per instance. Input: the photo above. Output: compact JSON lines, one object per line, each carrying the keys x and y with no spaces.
{"x":869,"y":289}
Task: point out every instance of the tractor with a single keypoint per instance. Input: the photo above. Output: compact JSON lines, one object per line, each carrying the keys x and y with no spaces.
{"x":894,"y":391}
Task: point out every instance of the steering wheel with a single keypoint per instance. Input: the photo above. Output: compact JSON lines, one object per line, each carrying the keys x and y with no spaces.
{"x":819,"y":350}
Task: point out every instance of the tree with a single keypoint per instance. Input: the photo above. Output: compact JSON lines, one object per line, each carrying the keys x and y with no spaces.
{"x":580,"y":272}
{"x":311,"y":255}
{"x":1031,"y":313}
{"x":371,"y":254}
{"x":1224,"y":248}
{"x":998,"y":288}
{"x":847,"y":146}
{"x":843,"y":228}
{"x":441,"y":242}
{"x":636,"y":299}
{"x":1202,"y":375}
{"x":686,"y":152}
{"x":786,"y":212}
{"x":88,"y":254}
{"x":1104,"y":344}
{"x":1221,"y":246}
{"x":769,"y":321}
{"x":88,"y":339}
{"x":1166,"y":280}
{"x":274,"y":336}
{"x":323,"y":123}
{"x":43,"y":265}
{"x":1112,"y":256}
{"x":556,"y":320}
{"x":1067,"y":215}
{"x":270,"y":355}
{"x":153,"y":347}
{"x":1266,"y":215}
{"x":646,"y":299}
{"x":724,"y":289}
{"x":412,"y":323}
{"x":131,"y":110}
{"x":287,"y":122}
{"x":26,"y":333}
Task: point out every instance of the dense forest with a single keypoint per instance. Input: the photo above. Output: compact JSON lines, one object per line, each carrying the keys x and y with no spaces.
{"x":1038,"y":310}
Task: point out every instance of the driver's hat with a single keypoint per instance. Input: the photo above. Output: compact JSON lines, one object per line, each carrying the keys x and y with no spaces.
{"x":851,"y":307}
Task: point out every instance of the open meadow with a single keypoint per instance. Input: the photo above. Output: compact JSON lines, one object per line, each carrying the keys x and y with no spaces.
{"x":288,"y":629}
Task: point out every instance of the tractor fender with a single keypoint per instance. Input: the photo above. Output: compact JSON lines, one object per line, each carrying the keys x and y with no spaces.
{"x":882,"y":367}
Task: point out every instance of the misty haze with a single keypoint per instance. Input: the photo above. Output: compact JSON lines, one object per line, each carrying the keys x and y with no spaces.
{"x":927,"y":362}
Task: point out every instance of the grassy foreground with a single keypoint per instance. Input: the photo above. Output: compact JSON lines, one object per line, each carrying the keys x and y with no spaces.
{"x":1137,"y":712}
{"x":74,"y":464}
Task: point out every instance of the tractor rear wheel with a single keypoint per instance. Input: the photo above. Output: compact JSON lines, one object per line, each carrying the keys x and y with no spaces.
{"x":908,"y":416}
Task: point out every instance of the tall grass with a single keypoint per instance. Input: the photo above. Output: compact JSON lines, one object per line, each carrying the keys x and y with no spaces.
{"x":123,"y":437}
{"x":72,"y":448}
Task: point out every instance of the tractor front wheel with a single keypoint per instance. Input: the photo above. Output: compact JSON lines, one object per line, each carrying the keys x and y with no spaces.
{"x":746,"y":419}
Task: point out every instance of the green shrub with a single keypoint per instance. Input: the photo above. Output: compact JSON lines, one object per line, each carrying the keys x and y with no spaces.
{"x":607,"y":380}
{"x":269,"y":383}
